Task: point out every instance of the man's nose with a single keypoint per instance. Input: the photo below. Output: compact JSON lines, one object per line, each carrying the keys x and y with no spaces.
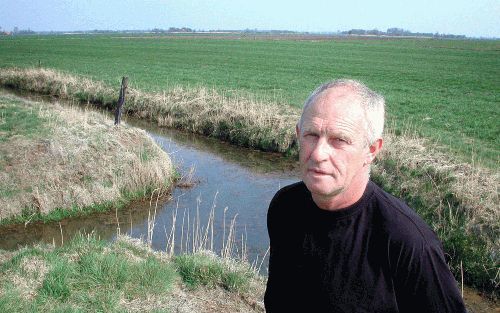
{"x":322,"y":150}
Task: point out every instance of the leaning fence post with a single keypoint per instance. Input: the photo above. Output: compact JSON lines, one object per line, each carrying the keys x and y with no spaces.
{"x":121,"y":100}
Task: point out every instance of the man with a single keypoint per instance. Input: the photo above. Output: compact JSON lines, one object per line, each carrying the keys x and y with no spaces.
{"x":339,"y":243}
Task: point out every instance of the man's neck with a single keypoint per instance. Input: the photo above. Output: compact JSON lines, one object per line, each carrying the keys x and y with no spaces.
{"x":347,"y":197}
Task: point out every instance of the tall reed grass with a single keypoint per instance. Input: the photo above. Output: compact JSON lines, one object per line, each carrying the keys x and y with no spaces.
{"x":197,"y":237}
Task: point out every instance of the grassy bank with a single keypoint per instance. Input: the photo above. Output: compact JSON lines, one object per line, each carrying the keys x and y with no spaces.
{"x":238,"y":120}
{"x":57,"y":161}
{"x":445,"y":87}
{"x":459,"y":200}
{"x":88,"y":275}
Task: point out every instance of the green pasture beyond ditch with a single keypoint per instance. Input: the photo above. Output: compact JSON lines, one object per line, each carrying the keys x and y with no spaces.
{"x":446,"y":90}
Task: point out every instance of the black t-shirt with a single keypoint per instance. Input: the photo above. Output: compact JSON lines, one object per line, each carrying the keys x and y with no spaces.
{"x":376,"y":255}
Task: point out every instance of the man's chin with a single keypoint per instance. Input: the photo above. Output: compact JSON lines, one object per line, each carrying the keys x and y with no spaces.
{"x":323,"y":190}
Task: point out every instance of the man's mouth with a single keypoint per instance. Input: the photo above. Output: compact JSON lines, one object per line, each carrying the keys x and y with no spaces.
{"x":317,"y":171}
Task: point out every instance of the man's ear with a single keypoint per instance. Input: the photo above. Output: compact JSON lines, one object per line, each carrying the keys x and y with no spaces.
{"x":297,"y":132}
{"x":374,"y":149}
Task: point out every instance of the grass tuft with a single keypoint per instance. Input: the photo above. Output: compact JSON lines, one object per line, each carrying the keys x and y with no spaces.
{"x":204,"y":269}
{"x":152,"y":277}
{"x":103,"y":270}
{"x":56,"y":282}
{"x":90,"y":275}
{"x":17,"y":120}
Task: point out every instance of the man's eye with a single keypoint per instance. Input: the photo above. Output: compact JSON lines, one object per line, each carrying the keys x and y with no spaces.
{"x":340,"y":140}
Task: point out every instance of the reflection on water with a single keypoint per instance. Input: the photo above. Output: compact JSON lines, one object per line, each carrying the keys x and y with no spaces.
{"x":253,"y":160}
{"x":234,"y":181}
{"x":103,"y":225}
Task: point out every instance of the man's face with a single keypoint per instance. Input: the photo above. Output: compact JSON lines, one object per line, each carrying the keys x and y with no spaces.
{"x":334,"y":154}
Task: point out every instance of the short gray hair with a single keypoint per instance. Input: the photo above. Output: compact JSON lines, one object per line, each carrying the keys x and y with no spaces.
{"x":372,"y":103}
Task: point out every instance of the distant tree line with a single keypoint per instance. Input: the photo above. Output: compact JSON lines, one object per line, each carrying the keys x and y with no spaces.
{"x":394,"y":31}
{"x":17,"y":31}
{"x":173,"y":30}
{"x":270,"y":31}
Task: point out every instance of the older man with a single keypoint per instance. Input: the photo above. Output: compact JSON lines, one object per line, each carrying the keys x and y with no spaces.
{"x":339,"y":243}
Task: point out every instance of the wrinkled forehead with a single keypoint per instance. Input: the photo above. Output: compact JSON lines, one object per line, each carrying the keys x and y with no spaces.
{"x":332,"y":104}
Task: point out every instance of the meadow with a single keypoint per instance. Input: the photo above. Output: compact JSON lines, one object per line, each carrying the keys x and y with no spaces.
{"x":446,"y":90}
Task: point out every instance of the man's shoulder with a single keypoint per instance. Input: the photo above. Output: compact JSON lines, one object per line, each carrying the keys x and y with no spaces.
{"x":400,"y":222}
{"x":416,"y":258}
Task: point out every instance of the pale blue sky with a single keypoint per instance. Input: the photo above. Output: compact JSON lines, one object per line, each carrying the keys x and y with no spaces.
{"x":479,"y":18}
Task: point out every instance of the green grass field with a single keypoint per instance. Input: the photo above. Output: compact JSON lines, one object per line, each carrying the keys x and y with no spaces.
{"x":446,"y":90}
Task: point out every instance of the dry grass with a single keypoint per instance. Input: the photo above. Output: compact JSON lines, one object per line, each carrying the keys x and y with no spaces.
{"x":31,"y":274}
{"x":474,"y":188}
{"x":240,"y":121}
{"x":50,"y":82}
{"x":85,"y":161}
{"x":215,"y":300}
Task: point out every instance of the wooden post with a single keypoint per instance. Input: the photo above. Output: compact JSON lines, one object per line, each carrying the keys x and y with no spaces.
{"x":121,"y":100}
